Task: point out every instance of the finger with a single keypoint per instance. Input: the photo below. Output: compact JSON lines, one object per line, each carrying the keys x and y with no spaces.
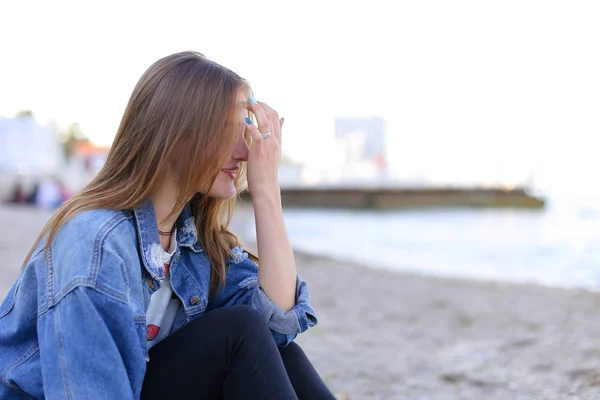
{"x":262,"y":117}
{"x":274,"y":117}
{"x":253,"y":131}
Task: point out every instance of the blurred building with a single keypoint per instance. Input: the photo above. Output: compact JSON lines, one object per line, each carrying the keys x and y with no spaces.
{"x":361,"y":149}
{"x":85,"y":162}
{"x":28,"y":151}
{"x":89,"y":157}
{"x":26,"y":147}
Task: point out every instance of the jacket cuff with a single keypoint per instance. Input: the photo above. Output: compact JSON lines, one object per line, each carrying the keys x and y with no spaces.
{"x":297,"y":320}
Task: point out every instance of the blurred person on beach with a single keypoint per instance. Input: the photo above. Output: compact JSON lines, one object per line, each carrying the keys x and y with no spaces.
{"x":32,"y":196}
{"x":18,"y":195}
{"x":136,"y":288}
{"x":65,"y":193}
{"x":49,"y":194}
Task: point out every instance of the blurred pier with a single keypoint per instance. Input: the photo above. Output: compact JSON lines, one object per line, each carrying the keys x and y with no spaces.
{"x":401,"y":198}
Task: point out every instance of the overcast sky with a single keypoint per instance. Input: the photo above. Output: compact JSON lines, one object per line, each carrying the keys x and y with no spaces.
{"x":472,"y":91}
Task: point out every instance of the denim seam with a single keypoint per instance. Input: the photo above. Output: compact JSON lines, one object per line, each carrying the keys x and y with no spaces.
{"x":200,"y":306}
{"x":35,"y":254}
{"x":52,"y":298}
{"x":50,"y":283}
{"x":68,"y":288}
{"x":137,"y":213}
{"x":14,"y":298}
{"x":83,"y":282}
{"x":248,"y":281}
{"x":99,"y":241}
{"x":137,"y":319}
{"x":55,"y":299}
{"x":141,"y":321}
{"x":30,"y":353}
{"x":125,"y":278}
{"x":61,"y":355}
{"x":111,"y":293}
{"x":269,"y":315}
{"x":192,"y":311}
{"x":273,"y":325}
{"x":302,"y":320}
{"x":311,"y":316}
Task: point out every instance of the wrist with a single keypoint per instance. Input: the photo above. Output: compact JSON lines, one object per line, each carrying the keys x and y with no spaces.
{"x":267,"y":198}
{"x":266,"y":193}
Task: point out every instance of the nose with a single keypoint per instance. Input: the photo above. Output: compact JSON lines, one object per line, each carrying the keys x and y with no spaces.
{"x":241,"y":150}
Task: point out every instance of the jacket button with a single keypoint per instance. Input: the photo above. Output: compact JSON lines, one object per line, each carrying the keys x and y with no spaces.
{"x":151,"y":284}
{"x":195,"y":300}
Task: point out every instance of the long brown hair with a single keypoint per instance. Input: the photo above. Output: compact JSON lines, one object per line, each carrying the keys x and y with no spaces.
{"x":180,"y":112}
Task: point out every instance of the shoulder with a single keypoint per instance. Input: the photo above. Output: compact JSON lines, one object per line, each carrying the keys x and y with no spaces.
{"x":94,"y":229}
{"x":95,"y":222}
{"x":92,"y":249}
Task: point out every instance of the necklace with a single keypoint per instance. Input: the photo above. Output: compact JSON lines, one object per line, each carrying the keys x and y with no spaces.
{"x":163,"y":233}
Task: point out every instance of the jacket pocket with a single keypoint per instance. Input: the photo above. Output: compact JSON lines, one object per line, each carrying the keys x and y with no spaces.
{"x":9,"y":301}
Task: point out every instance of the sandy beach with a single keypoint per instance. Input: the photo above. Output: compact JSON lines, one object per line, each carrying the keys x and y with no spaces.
{"x":390,"y":335}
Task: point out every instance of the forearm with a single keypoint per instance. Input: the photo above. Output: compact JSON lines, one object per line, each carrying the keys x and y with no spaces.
{"x":277,"y":267}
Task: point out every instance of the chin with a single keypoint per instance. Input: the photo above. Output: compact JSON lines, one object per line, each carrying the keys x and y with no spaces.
{"x":223,"y":193}
{"x":221,"y":197}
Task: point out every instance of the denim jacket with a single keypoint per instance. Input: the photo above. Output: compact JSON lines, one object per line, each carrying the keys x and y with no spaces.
{"x":73,"y":326}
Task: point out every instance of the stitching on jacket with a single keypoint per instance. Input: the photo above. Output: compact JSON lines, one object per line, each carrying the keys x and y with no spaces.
{"x":61,"y":355}
{"x":30,"y":353}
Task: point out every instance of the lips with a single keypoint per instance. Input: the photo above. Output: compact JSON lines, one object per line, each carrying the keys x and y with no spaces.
{"x":231,"y":172}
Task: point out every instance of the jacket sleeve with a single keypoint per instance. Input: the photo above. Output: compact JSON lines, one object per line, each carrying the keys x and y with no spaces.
{"x":88,"y":348}
{"x":242,"y":287}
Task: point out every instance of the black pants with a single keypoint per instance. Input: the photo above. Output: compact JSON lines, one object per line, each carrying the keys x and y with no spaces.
{"x":228,"y":354}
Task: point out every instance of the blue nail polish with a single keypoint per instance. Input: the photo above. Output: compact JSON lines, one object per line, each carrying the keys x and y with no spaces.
{"x":248,"y":121}
{"x":253,"y":100}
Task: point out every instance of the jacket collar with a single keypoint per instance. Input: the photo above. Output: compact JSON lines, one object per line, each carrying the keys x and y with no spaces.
{"x":149,"y":241}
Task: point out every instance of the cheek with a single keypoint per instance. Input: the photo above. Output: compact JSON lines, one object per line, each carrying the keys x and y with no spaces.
{"x":222,"y":183}
{"x":223,"y":188}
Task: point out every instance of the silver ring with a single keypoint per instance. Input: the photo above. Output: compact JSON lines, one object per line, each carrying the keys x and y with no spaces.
{"x":266,"y":135}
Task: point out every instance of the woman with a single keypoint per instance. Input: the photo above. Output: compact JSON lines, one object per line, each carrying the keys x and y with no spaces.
{"x":124,"y":294}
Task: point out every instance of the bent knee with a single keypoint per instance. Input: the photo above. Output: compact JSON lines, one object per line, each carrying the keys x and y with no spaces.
{"x":245,"y":320}
{"x":291,"y":350}
{"x":244,"y":315}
